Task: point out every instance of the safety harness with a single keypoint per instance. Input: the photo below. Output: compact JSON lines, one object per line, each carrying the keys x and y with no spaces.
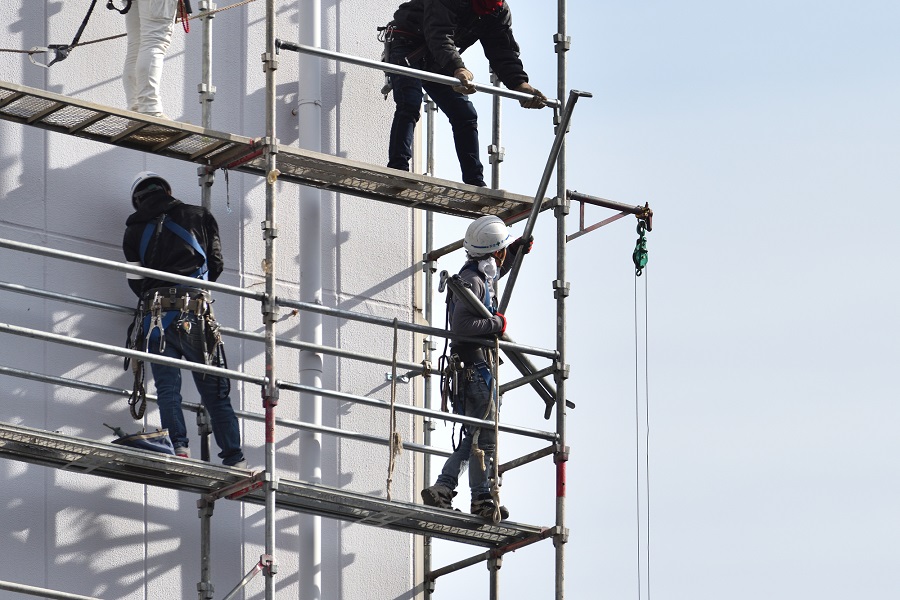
{"x":158,"y":308}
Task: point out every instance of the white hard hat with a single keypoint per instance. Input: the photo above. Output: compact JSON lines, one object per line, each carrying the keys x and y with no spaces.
{"x":486,"y":235}
{"x":142,"y":178}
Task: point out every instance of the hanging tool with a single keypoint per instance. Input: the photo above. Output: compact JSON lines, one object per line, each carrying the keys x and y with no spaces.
{"x":639,"y":256}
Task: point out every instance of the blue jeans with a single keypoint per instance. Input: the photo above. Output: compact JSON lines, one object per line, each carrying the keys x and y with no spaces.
{"x":408,"y":97}
{"x":478,"y":404}
{"x":214,"y":391}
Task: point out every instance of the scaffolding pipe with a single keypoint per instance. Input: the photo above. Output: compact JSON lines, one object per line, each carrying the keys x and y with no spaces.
{"x":555,"y":153}
{"x":269,"y":309}
{"x":132,"y":354}
{"x":41,"y":592}
{"x":126,"y":268}
{"x":391,"y":68}
{"x":413,"y":368}
{"x":640,"y":211}
{"x":428,"y":341}
{"x":561,"y":292}
{"x":207,"y":92}
{"x":413,"y":327}
{"x":250,"y":416}
{"x":416,"y":410}
{"x":495,"y":150}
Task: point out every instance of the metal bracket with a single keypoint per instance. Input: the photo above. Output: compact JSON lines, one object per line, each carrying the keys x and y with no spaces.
{"x":207,"y":92}
{"x":561,"y":208}
{"x":562,"y":369}
{"x":400,"y":378}
{"x":562,"y":42}
{"x":206,"y":6}
{"x":270,"y":231}
{"x":497,"y":153}
{"x":270,"y":63}
{"x":560,"y":289}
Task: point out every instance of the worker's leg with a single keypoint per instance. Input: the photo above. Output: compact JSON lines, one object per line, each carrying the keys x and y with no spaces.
{"x":157,"y":21}
{"x":215,"y":395}
{"x":408,"y":95}
{"x":168,"y":389}
{"x":464,"y":122}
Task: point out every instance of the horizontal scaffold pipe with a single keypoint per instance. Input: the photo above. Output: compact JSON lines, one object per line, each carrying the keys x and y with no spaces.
{"x":132,"y":354}
{"x":41,"y":592}
{"x":643,"y":212}
{"x":401,"y":70}
{"x":415,"y":410}
{"x":250,"y":416}
{"x":414,"y":368}
{"x":126,"y":268}
{"x":413,"y":327}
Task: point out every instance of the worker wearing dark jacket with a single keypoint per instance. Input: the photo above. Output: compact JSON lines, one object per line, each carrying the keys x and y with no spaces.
{"x":176,"y":320}
{"x":430,"y":35}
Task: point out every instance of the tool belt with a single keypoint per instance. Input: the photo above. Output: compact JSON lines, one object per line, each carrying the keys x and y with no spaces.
{"x":183,"y":299}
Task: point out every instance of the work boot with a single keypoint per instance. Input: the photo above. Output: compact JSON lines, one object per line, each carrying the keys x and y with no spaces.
{"x":484,"y":506}
{"x":439,"y":496}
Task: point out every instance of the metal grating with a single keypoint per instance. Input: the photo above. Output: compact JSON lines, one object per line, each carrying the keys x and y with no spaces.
{"x":44,"y":448}
{"x":216,"y":149}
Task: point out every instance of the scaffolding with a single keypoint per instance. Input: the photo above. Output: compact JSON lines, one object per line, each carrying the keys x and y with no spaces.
{"x":266,"y":157}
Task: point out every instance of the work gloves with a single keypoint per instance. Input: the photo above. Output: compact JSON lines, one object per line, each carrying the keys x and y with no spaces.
{"x":465,"y":78}
{"x":503,"y":321}
{"x":522,"y":244}
{"x":539,"y":100}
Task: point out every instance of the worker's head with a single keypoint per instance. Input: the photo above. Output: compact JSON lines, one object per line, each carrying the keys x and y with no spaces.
{"x":145,"y":183}
{"x":487,"y":236}
{"x":486,"y":7}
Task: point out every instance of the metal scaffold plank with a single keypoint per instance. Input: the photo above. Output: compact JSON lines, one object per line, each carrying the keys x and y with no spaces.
{"x":182,"y":141}
{"x":75,"y":454}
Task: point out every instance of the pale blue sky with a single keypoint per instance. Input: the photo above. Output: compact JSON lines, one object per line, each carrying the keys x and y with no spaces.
{"x":766,"y":138}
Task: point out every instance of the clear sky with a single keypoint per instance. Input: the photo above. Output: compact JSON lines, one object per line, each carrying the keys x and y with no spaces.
{"x":766,"y":138}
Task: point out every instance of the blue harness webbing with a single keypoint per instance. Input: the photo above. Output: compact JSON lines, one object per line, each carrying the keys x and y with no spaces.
{"x":201,"y":273}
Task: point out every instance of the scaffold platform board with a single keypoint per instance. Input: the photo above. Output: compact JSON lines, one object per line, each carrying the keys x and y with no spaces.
{"x":81,"y":455}
{"x":219,"y":150}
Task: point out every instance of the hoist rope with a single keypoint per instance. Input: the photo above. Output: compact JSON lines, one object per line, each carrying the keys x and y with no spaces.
{"x":121,"y":35}
{"x":637,"y":433}
{"x":395,"y":442}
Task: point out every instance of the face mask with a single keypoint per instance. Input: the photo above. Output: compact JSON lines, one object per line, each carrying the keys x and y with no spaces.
{"x":486,"y":7}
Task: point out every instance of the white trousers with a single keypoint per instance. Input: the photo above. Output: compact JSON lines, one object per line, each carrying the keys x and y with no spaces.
{"x":149,"y":26}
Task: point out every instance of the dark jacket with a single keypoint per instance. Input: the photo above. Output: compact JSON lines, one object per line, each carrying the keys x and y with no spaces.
{"x":169,"y":252}
{"x":449,"y":27}
{"x":465,"y":321}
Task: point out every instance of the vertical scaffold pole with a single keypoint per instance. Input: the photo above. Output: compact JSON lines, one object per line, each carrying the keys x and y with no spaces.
{"x":270,"y":232}
{"x":428,"y":424}
{"x":207,"y":93}
{"x":495,"y":150}
{"x":561,"y":290}
{"x":205,"y":590}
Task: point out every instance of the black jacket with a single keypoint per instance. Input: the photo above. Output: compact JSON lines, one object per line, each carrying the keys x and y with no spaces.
{"x":170,"y":253}
{"x":449,"y":27}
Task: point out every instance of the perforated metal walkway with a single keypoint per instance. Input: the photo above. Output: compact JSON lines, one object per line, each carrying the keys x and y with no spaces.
{"x":116,"y":462}
{"x":217,"y":150}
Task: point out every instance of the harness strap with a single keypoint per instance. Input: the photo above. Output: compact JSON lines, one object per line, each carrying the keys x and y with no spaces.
{"x":186,"y":236}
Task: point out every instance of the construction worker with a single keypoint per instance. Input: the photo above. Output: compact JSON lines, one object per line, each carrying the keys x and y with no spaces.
{"x":148,"y":26}
{"x":489,"y":256}
{"x":176,"y":320}
{"x":430,"y":35}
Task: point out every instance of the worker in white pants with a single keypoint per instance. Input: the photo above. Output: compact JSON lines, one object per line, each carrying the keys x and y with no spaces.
{"x":149,"y":25}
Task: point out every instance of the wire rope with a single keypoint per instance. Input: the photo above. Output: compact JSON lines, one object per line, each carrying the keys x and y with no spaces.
{"x":637,"y":437}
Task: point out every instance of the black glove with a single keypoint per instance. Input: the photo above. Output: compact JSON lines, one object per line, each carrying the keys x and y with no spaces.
{"x":522,"y":244}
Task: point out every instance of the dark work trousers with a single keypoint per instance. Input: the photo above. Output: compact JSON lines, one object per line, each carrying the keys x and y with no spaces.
{"x":408,"y":94}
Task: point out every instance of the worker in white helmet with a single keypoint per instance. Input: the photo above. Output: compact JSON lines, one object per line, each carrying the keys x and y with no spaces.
{"x":490,"y":253}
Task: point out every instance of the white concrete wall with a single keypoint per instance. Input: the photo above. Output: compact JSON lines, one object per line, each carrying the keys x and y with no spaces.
{"x":99,"y":537}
